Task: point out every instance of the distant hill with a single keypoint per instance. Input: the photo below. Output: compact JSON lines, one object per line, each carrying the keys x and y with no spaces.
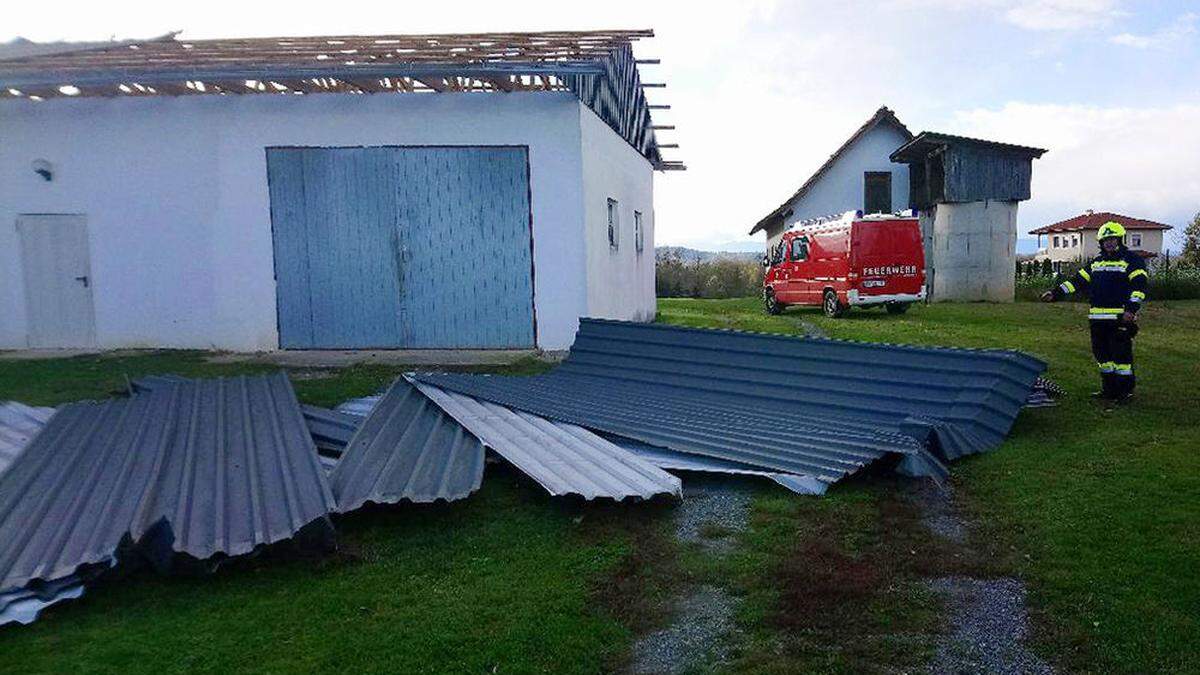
{"x":693,"y":255}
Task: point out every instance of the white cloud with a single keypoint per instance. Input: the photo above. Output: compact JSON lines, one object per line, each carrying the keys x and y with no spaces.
{"x":1038,"y":15}
{"x":1136,"y":161}
{"x":1061,"y":14}
{"x":1163,"y":38}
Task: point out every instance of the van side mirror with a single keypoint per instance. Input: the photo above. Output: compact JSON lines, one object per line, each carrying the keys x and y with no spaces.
{"x":766,"y":262}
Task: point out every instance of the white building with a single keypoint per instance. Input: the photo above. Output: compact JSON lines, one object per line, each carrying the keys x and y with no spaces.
{"x":1074,"y":239}
{"x":858,"y":176}
{"x":423,"y":192}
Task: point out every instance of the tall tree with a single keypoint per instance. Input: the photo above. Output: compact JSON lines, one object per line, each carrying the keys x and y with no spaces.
{"x":1191,"y":243}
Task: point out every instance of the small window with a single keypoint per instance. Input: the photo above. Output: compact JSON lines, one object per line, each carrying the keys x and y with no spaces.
{"x":799,"y":250}
{"x":877,"y":192}
{"x":1135,"y":239}
{"x":614,"y":233}
{"x":1074,"y":240}
{"x":1056,"y":241}
{"x":638,"y":233}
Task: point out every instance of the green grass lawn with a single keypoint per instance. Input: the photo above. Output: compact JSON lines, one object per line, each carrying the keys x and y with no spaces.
{"x":1098,"y":511}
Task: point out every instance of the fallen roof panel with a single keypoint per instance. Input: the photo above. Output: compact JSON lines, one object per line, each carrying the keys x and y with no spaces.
{"x":407,"y":449}
{"x":811,"y":406}
{"x":563,"y":458}
{"x":200,"y":467}
{"x":22,"y":605}
{"x":672,"y":460}
{"x":19,"y":423}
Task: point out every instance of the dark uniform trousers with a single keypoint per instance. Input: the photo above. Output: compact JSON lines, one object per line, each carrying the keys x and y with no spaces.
{"x":1112,"y":345}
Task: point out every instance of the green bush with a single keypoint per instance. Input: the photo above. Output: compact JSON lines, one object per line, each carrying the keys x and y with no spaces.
{"x":1169,"y":280}
{"x":727,"y":277}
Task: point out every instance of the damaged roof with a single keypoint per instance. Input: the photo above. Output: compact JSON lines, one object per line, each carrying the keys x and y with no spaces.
{"x":598,"y":67}
{"x":816,"y":407}
{"x":562,"y":458}
{"x":200,"y":467}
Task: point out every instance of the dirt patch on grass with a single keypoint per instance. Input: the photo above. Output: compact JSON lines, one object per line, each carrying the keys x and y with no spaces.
{"x":851,"y":590}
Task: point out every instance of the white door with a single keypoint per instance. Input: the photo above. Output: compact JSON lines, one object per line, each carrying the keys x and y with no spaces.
{"x":58,"y":281}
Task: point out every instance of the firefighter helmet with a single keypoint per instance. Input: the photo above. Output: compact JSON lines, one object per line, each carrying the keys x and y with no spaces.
{"x":1110,"y":229}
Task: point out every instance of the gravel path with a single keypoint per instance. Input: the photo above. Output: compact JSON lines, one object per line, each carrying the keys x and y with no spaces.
{"x":703,"y":619}
{"x":712,"y":502}
{"x":714,"y":509}
{"x":989,"y":628}
{"x":988,"y":619}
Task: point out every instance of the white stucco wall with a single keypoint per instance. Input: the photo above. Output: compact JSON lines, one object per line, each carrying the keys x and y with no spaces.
{"x":1088,"y":246}
{"x":841,"y":188}
{"x":620,"y":282}
{"x":971,"y":251}
{"x":175,"y":193}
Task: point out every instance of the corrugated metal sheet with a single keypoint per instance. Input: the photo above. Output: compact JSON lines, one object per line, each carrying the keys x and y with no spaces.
{"x":682,"y":461}
{"x":360,"y":407}
{"x":563,"y":458}
{"x":201,"y":467}
{"x":23,"y":605}
{"x":407,"y":448}
{"x":19,"y":423}
{"x":817,"y":407}
{"x":330,"y":429}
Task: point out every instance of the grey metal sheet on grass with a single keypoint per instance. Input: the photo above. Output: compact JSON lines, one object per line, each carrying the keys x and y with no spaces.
{"x":330,"y":429}
{"x":19,"y":423}
{"x":360,"y":407}
{"x":563,"y":458}
{"x":682,"y":461}
{"x":407,"y":449}
{"x":810,"y":406}
{"x":202,"y":467}
{"x":23,"y":605}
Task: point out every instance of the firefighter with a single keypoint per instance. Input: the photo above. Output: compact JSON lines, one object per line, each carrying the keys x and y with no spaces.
{"x":1115,"y":281}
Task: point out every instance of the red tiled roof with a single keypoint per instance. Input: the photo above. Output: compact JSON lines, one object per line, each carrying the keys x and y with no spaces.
{"x":1093,"y":221}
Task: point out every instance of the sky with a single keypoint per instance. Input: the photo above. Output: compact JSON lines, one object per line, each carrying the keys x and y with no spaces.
{"x":762,"y":91}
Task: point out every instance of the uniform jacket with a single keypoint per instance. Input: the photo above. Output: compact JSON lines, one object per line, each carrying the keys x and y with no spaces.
{"x":1115,"y":283}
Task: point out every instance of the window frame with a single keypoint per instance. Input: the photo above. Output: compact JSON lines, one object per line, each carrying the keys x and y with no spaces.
{"x":884,"y":177}
{"x":1135,"y":242}
{"x":802,"y":241}
{"x":614,"y":224}
{"x":639,"y":233}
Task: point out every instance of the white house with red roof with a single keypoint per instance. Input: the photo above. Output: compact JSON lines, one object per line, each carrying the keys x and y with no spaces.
{"x":1074,"y":239}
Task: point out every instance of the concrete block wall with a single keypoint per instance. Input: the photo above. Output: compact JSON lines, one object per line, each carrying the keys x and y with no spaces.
{"x":970,"y":251}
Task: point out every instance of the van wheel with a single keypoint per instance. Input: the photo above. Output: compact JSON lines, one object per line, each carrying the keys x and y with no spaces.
{"x":897,"y":307}
{"x":832,"y":306}
{"x":773,"y":306}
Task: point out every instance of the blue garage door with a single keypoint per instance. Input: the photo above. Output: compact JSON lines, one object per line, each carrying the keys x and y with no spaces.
{"x":402,"y":247}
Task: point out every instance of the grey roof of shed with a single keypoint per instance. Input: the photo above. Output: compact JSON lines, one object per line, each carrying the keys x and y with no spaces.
{"x":822,"y":408}
{"x":929,"y":141}
{"x":562,"y":458}
{"x":202,"y":467}
{"x":407,"y":449}
{"x":882,"y":116}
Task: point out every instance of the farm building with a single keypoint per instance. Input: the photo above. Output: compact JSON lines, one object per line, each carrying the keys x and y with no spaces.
{"x":858,"y":176}
{"x":1074,"y":239}
{"x":966,"y":191}
{"x":436,"y":191}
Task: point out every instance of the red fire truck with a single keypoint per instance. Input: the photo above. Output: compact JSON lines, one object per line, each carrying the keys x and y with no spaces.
{"x":851,"y":261}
